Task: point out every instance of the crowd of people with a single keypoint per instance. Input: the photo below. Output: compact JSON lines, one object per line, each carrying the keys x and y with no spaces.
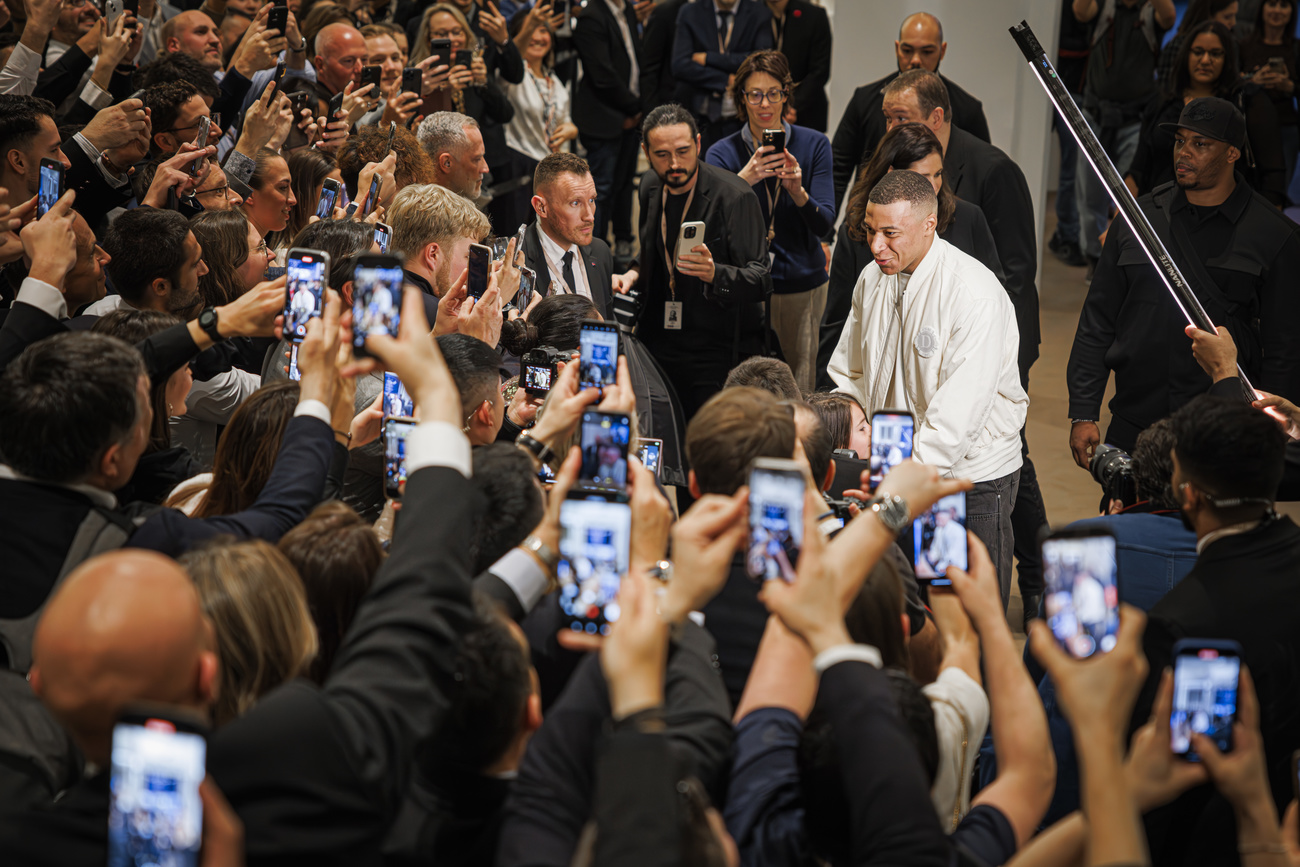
{"x":370,"y":421}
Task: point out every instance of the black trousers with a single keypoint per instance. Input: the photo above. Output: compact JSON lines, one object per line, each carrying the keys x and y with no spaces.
{"x":1028,"y":519}
{"x":696,"y":374}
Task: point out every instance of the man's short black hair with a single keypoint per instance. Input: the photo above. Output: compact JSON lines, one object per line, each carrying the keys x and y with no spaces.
{"x":164,"y":102}
{"x":145,"y":243}
{"x":668,"y":114}
{"x":770,"y":374}
{"x":475,"y":366}
{"x":493,"y":680}
{"x":1229,"y":449}
{"x":177,"y":66}
{"x":1153,"y":467}
{"x":66,"y":399}
{"x":508,"y":481}
{"x":903,"y":185}
{"x":20,"y":119}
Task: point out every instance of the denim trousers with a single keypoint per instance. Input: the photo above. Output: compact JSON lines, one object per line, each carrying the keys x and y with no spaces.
{"x":1094,"y":200}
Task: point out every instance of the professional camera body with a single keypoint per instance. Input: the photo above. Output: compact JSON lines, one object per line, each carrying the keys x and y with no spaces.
{"x":1112,"y":467}
{"x":537,"y":368}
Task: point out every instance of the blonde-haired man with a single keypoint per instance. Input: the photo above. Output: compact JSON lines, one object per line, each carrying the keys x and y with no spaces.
{"x":433,"y":228}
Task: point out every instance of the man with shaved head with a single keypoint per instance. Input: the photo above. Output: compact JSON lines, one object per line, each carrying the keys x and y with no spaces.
{"x":932,"y":331}
{"x":920,"y":45}
{"x":339,"y":54}
{"x":315,"y":772}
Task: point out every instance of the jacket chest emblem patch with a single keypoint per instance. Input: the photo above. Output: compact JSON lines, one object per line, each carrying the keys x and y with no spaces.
{"x":927,"y":342}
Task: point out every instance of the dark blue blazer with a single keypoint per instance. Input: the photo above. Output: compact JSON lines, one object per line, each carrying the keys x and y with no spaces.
{"x":697,"y":30}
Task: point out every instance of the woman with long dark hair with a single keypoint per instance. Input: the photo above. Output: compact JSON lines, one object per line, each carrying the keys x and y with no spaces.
{"x":1198,"y":12}
{"x":1273,"y":39}
{"x":1208,"y":66}
{"x":911,"y":146}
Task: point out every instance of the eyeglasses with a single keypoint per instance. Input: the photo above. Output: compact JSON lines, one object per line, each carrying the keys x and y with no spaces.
{"x":77,"y":4}
{"x":223,"y":191}
{"x":261,"y":248}
{"x":215,"y":119}
{"x":756,"y":97}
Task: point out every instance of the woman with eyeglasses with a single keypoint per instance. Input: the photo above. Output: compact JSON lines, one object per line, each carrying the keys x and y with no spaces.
{"x":1207,"y":66}
{"x":235,"y":253}
{"x":796,"y":191}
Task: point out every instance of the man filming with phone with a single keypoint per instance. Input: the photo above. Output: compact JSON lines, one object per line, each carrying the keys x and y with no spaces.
{"x":701,"y":312}
{"x":932,"y":331}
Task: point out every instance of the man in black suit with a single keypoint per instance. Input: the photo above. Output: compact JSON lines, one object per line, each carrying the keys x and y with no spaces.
{"x":701,"y":315}
{"x":562,"y":246}
{"x":607,"y":108}
{"x":657,"y":81}
{"x":713,"y":39}
{"x":919,"y":45}
{"x":316,"y":774}
{"x":986,"y":177}
{"x":53,"y":483}
{"x":1228,"y":461}
{"x":802,"y":32}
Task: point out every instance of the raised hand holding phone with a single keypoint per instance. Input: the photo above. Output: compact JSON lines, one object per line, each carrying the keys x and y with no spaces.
{"x":50,"y":243}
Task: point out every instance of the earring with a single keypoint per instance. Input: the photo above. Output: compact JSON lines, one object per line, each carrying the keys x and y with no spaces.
{"x":169,"y":408}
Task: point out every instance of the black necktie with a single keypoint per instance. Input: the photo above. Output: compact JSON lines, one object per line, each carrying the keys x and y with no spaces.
{"x":724,"y":37}
{"x":567,"y":273}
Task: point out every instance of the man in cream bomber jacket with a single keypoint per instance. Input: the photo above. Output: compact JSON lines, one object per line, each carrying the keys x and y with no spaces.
{"x":933,"y":332}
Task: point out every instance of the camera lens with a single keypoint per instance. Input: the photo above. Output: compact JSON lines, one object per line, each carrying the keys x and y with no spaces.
{"x":690,"y":231}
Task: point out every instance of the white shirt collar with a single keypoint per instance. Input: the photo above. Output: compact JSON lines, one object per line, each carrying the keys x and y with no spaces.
{"x":554,"y":250}
{"x":98,"y":496}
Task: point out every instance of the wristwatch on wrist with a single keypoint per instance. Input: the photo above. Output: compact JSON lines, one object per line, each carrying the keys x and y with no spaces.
{"x":536,"y":447}
{"x":541,"y":551}
{"x":300,"y":47}
{"x":1075,"y":421}
{"x":208,"y":322}
{"x":891,"y":509}
{"x":661,"y":571}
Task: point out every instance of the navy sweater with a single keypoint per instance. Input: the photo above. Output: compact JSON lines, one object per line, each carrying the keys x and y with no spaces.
{"x":798,"y":262}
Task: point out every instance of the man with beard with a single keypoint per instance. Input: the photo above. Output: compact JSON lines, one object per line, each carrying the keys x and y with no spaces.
{"x":1237,"y":252}
{"x":701,"y":313}
{"x":155,"y":262}
{"x":919,"y":45}
{"x":560,"y":247}
{"x":455,"y":144}
{"x":434,"y":228}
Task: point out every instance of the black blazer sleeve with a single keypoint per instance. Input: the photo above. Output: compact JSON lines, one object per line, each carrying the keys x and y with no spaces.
{"x":234,"y":87}
{"x":846,"y":266}
{"x":95,"y":198}
{"x":508,"y":61}
{"x":500,"y":592}
{"x":636,"y":803}
{"x":322,"y":772}
{"x":892,"y":819}
{"x":24,"y":326}
{"x":294,"y":488}
{"x":740,"y":275}
{"x":596,"y":37}
{"x":809,"y":95}
{"x":57,"y":82}
{"x":165,"y":351}
{"x":847,"y":144}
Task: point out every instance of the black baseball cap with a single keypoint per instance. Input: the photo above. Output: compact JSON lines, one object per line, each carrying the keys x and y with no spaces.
{"x":1214,"y":118}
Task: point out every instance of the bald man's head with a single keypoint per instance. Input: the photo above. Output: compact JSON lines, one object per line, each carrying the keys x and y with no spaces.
{"x":340,"y":53}
{"x":193,"y":33}
{"x":123,"y":627}
{"x":920,"y":43}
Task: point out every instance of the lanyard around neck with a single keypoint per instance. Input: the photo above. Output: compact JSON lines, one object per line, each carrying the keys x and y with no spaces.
{"x":663,"y":230}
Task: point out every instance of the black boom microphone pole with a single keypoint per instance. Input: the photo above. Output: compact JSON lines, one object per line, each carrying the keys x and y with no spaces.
{"x":1146,"y":236}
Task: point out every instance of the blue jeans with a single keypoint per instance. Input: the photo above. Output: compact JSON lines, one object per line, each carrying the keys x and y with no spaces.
{"x":1094,"y":200}
{"x":613,"y":167}
{"x":988,"y":516}
{"x":1067,"y":208}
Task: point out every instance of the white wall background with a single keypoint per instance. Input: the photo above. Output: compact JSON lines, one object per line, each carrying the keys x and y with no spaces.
{"x":981,"y":57}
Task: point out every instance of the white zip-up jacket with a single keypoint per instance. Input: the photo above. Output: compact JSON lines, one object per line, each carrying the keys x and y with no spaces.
{"x":957,"y":354}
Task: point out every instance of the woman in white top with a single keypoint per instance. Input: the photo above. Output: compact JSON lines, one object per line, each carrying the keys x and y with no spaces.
{"x":541,"y":124}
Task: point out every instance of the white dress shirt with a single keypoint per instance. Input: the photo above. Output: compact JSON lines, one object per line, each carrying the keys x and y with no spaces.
{"x":554,"y":255}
